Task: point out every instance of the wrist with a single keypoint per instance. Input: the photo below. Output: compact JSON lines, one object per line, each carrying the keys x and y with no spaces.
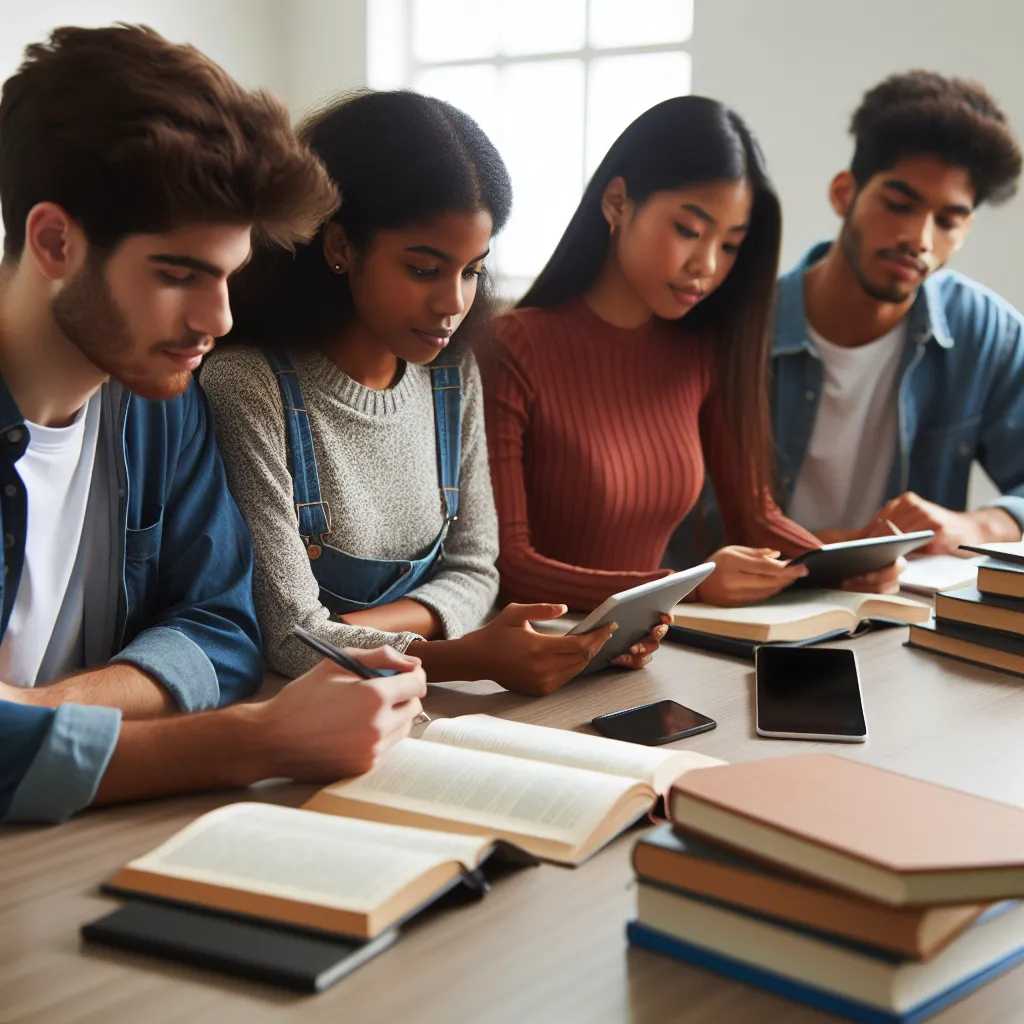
{"x":446,"y":660}
{"x":254,"y":746}
{"x":994,"y":525}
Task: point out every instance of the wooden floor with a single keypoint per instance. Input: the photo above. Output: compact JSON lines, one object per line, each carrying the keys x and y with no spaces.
{"x":548,"y":943}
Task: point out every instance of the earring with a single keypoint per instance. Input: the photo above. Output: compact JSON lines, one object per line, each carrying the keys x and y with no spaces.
{"x":336,"y":268}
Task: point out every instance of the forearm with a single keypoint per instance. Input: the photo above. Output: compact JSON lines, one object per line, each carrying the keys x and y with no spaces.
{"x":447,"y":660}
{"x":210,"y":750}
{"x":403,"y":616}
{"x":123,"y":686}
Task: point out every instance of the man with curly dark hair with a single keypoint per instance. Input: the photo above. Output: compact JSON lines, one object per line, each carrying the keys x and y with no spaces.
{"x":891,"y":374}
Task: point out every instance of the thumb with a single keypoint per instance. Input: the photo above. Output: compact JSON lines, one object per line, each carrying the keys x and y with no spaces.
{"x":600,"y":636}
{"x":520,"y":614}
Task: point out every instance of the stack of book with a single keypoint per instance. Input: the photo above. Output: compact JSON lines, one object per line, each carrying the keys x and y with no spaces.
{"x":865,"y":893}
{"x":983,"y":624}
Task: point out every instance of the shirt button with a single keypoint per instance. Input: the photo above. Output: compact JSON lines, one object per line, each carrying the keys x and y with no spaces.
{"x":809,"y":395}
{"x":15,"y":435}
{"x":964,"y":448}
{"x":8,"y":540}
{"x":10,"y":490}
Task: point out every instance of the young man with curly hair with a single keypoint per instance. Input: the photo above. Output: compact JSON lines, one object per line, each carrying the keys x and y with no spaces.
{"x":891,"y":374}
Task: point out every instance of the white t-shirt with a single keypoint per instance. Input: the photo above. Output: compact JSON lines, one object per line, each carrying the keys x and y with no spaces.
{"x":849,"y":459}
{"x":56,"y":470}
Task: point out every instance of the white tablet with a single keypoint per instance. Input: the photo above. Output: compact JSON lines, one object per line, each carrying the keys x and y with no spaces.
{"x":638,"y":610}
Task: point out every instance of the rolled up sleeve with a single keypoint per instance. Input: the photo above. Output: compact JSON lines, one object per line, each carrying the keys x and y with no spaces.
{"x":178,"y":662}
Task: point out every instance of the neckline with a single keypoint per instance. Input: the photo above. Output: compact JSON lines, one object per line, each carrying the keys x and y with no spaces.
{"x":341,"y":387}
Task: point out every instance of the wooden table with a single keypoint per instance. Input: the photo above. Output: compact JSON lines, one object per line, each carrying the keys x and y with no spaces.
{"x":548,"y":943}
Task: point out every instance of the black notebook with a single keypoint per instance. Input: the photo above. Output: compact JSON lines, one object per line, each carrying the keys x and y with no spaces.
{"x":287,"y":958}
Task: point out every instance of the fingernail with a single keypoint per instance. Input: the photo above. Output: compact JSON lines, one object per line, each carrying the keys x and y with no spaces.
{"x":635,"y":649}
{"x":615,"y":626}
{"x":661,"y":632}
{"x":804,"y":571}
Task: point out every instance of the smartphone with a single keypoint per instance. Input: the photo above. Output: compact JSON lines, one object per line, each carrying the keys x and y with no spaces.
{"x":807,"y":693}
{"x":651,"y":724}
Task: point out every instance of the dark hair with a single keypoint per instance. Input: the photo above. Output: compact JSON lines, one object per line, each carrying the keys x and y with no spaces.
{"x":131,"y":134}
{"x":398,"y":159}
{"x":685,"y":141}
{"x":923,"y":113}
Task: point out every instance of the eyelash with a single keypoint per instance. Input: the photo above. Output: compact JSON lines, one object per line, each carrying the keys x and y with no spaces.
{"x":177,"y":282}
{"x":423,"y":272}
{"x":944,"y":222}
{"x":686,"y":232}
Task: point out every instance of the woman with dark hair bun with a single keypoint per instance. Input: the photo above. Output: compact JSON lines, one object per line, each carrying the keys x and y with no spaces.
{"x":350,"y":417}
{"x":636,"y":363}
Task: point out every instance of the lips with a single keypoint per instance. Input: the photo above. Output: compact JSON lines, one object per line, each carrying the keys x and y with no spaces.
{"x":186,"y":359}
{"x":905,"y":267}
{"x":686,"y":296}
{"x":436,"y":336}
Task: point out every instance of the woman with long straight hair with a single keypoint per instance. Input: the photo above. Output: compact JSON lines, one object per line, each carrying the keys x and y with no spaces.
{"x":350,"y":416}
{"x":636,"y":363}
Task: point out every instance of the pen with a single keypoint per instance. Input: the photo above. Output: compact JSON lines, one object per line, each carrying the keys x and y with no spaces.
{"x":346,"y":661}
{"x":892,"y":526}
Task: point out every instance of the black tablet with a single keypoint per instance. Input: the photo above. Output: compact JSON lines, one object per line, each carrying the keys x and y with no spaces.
{"x":833,"y":563}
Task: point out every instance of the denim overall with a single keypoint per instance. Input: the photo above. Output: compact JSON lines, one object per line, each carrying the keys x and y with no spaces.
{"x":349,"y":583}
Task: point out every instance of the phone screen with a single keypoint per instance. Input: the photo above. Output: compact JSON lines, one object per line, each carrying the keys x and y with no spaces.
{"x":813,"y":692}
{"x":651,"y":724}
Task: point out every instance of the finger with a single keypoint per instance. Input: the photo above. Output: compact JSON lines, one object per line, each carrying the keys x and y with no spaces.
{"x":632,"y":661}
{"x":384,"y":657}
{"x":520,"y":614}
{"x":403,"y":687}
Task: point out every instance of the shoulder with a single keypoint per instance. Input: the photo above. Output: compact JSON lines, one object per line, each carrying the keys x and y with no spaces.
{"x":232,"y":373}
{"x":974,"y":314}
{"x":524,"y":327}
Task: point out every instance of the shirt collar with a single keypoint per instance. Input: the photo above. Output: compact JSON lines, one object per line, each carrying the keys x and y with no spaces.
{"x":927,"y":317}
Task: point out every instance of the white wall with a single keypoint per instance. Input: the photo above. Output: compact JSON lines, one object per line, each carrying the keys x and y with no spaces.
{"x":796,"y":69}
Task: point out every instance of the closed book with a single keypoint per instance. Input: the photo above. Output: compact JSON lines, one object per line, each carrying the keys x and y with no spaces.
{"x":1004,"y":551}
{"x":694,"y":865}
{"x":885,"y":836}
{"x":853,"y":982}
{"x":974,"y":644}
{"x":969,"y":605}
{"x":1001,"y":579}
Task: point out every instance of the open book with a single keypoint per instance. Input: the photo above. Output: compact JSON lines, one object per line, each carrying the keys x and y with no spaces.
{"x":799,"y":615}
{"x":560,"y":795}
{"x":340,"y":875}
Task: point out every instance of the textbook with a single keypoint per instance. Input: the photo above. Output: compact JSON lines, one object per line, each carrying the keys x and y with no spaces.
{"x":694,"y":865}
{"x":1001,"y":578}
{"x":285,"y":865}
{"x":884,"y":836}
{"x":973,"y":608}
{"x":799,"y":615}
{"x":559,"y":795}
{"x":843,"y":978}
{"x":975,"y":644}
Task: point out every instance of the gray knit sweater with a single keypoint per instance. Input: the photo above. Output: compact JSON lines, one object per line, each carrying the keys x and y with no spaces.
{"x":377,"y":460}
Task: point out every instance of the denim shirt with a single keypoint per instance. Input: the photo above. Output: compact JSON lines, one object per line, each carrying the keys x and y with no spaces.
{"x":960,"y":391}
{"x":168,"y":588}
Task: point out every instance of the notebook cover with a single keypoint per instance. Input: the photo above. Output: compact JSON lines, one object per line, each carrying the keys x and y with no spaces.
{"x":648,"y":938}
{"x":285,"y":957}
{"x":744,"y":649}
{"x":892,"y":821}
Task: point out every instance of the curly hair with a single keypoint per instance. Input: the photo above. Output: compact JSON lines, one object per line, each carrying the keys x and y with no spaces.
{"x":924,"y":113}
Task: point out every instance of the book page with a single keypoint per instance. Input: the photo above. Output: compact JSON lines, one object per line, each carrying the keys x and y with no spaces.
{"x":335,"y":862}
{"x":489,"y":791}
{"x":931,"y":574}
{"x":561,"y":746}
{"x":789,"y":606}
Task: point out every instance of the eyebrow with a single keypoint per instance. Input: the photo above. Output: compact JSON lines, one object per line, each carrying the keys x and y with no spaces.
{"x":699,"y":211}
{"x":897,"y":185}
{"x":429,"y":250}
{"x":190,"y":262}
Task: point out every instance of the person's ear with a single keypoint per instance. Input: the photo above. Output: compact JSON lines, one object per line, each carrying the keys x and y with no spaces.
{"x":615,"y":202}
{"x":54,"y":241}
{"x":337,"y":250}
{"x":842,"y":192}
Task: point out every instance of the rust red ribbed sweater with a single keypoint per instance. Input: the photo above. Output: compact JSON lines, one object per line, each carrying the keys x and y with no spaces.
{"x":599,"y":437}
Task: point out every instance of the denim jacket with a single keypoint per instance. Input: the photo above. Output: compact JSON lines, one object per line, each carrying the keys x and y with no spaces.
{"x":172,"y":594}
{"x":960,"y":391}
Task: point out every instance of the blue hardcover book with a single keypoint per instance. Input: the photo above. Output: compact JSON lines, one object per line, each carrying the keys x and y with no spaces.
{"x":647,"y":938}
{"x":846,"y":978}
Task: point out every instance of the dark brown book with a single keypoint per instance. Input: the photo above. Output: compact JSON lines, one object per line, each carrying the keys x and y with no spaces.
{"x":970,"y":606}
{"x":1001,"y":579}
{"x":986,"y":647}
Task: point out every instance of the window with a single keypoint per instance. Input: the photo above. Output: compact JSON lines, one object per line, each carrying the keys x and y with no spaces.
{"x":552,"y":82}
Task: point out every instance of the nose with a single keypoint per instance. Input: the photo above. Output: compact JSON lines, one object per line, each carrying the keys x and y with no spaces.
{"x":702,"y":260}
{"x":919,"y":236}
{"x":448,"y":299}
{"x":212,"y":312}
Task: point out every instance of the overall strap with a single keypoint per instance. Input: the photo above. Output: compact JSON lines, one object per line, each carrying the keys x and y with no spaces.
{"x":313,"y":514}
{"x":446,"y":382}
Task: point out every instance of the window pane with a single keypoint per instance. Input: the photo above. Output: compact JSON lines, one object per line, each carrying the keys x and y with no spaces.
{"x":542,"y":142}
{"x":454,"y":29}
{"x":622,"y":88}
{"x":471,"y":87}
{"x":385,"y":56}
{"x":640,"y":22}
{"x":542,"y":26}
